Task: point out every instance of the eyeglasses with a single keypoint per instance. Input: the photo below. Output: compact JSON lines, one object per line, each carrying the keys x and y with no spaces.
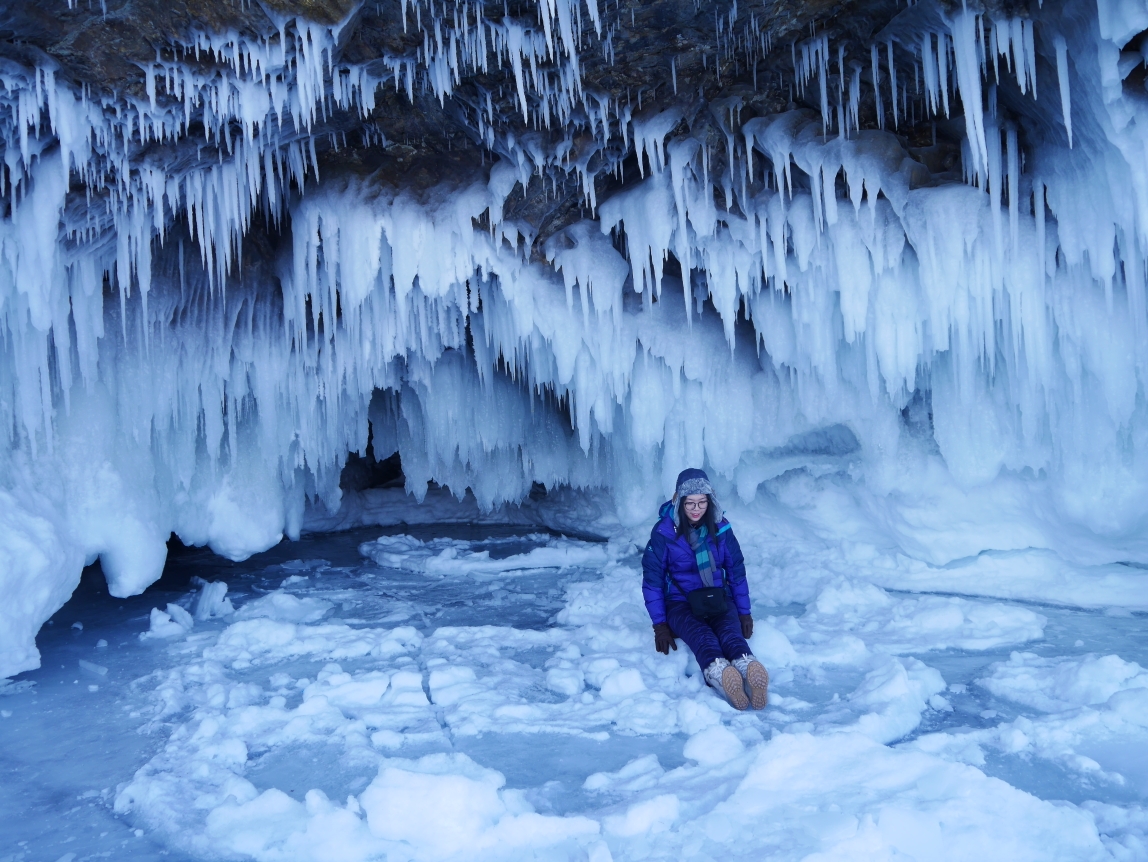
{"x":701,"y":504}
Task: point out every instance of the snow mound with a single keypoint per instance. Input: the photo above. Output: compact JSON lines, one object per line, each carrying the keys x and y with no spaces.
{"x":284,"y":607}
{"x":890,"y":804}
{"x":1061,"y":683}
{"x":265,"y":641}
{"x":408,"y":799}
{"x":850,"y":619}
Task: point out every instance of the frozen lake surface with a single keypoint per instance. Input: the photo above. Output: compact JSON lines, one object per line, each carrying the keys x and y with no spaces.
{"x":472,"y":691}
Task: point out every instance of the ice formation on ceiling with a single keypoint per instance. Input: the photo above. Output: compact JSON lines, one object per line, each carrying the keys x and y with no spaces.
{"x":152,"y":381}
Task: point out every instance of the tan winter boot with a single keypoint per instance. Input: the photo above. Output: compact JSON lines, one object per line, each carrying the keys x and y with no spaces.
{"x":756,"y":677}
{"x":727,"y":679}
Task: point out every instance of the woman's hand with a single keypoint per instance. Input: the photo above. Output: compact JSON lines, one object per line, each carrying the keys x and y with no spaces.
{"x":664,"y":638}
{"x":746,"y":625}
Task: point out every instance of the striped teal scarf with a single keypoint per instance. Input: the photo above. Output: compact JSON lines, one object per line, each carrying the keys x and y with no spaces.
{"x":697,"y":540}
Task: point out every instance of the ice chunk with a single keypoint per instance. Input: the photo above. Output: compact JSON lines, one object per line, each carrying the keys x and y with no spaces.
{"x":565,"y":681}
{"x":647,"y":817}
{"x":714,"y":745}
{"x":695,"y":715}
{"x":406,"y":689}
{"x":92,"y":667}
{"x":896,"y":692}
{"x":263,"y":639}
{"x":272,"y":822}
{"x":283,"y":607}
{"x":640,"y":773}
{"x":599,"y":670}
{"x":1131,"y":704}
{"x":350,"y":693}
{"x":622,"y":684}
{"x":405,"y":803}
{"x":450,"y":684}
{"x":212,"y":600}
{"x":771,"y":646}
{"x":174,"y":622}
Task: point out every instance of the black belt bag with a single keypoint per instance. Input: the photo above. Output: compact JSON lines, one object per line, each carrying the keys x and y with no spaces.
{"x":707,"y":602}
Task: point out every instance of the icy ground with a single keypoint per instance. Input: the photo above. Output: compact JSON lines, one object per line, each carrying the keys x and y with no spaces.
{"x":497,"y":695}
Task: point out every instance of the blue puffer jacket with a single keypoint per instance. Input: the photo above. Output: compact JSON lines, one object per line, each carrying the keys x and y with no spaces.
{"x":668,"y":554}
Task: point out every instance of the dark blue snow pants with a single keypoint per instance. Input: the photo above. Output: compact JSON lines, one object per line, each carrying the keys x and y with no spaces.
{"x":709,"y":639}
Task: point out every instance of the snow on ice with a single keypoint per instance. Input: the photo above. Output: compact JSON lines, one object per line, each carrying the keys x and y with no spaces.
{"x":414,"y":713}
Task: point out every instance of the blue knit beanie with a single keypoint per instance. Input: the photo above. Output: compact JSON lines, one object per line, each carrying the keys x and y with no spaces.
{"x":692,"y":481}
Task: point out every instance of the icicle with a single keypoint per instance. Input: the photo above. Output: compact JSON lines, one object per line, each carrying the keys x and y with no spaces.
{"x":823,"y":74}
{"x":1038,"y":207}
{"x":929,"y":70}
{"x":1029,"y":53}
{"x":994,"y":176}
{"x":892,"y":82}
{"x":968,"y":68}
{"x":1019,"y":64}
{"x":874,"y":57}
{"x":1062,"y":76}
{"x":998,"y":41}
{"x":855,"y":98}
{"x":1013,"y":188}
{"x":943,"y":66}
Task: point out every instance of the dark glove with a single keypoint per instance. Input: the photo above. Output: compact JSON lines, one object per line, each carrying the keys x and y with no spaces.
{"x":664,"y":638}
{"x":746,"y":625}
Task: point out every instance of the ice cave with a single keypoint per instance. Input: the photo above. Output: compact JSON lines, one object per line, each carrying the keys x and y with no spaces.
{"x":349,"y":350}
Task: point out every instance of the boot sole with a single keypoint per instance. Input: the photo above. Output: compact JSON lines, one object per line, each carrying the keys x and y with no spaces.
{"x":758,"y":678}
{"x":732,"y":685}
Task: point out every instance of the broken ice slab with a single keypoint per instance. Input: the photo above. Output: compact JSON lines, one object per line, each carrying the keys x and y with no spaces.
{"x":92,"y":667}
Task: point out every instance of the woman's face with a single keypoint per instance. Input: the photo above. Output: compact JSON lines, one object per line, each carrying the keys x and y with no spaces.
{"x":696,"y":505}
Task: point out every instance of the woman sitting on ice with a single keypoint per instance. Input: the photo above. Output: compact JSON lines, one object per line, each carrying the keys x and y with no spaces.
{"x":691,"y":568}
